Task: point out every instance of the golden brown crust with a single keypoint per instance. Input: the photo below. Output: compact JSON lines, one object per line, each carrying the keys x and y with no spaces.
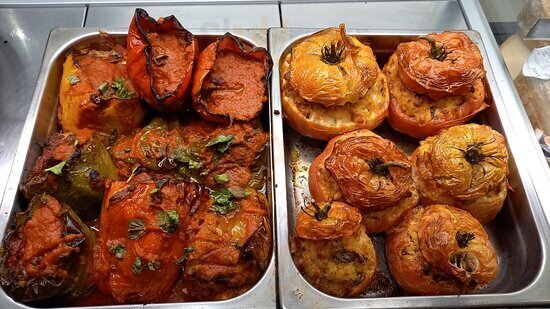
{"x":420,"y":116}
{"x":340,"y":267}
{"x":449,"y":65}
{"x":440,"y":250}
{"x":465,"y":166}
{"x":346,"y":171}
{"x":321,"y":107}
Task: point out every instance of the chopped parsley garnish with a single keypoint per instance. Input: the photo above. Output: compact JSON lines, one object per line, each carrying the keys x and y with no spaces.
{"x":137,"y":267}
{"x":73,"y":79}
{"x":153,"y":265}
{"x":221,"y":178}
{"x":57,"y":169}
{"x":121,"y":90}
{"x":224,"y":201}
{"x":195,"y":165}
{"x":168,"y":221}
{"x":184,"y":155}
{"x":104,"y":88}
{"x":115,"y":55}
{"x":136,"y":228}
{"x":221,"y":142}
{"x":119,"y":250}
{"x":239,"y":192}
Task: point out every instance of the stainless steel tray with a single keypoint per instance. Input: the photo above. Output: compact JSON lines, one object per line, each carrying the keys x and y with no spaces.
{"x":519,"y":233}
{"x":42,"y":120}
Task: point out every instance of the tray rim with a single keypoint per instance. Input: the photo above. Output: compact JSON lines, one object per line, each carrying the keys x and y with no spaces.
{"x":59,"y":40}
{"x":534,"y":293}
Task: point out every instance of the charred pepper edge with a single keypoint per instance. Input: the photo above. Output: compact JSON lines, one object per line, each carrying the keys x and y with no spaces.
{"x":186,"y":34}
{"x":268,"y":64}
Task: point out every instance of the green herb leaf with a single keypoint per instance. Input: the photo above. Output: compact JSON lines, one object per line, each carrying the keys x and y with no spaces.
{"x":57,"y":169}
{"x":153,"y":191}
{"x":119,"y":250}
{"x":168,"y":221}
{"x":104,"y":89}
{"x":115,"y":55}
{"x":136,"y":228}
{"x":153,"y":265}
{"x":121,"y":90}
{"x":184,"y":155}
{"x":195,"y":165}
{"x":73,"y":79}
{"x":75,"y":142}
{"x":239,"y":192}
{"x":137,"y":267}
{"x":223,"y":202}
{"x":221,"y":142}
{"x":221,"y":178}
{"x":223,"y":209}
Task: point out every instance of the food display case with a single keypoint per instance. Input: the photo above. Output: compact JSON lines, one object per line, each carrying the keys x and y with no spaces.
{"x":37,"y":36}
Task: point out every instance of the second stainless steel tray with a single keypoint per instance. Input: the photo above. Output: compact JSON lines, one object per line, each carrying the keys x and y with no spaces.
{"x":42,"y":121}
{"x":518,"y":233}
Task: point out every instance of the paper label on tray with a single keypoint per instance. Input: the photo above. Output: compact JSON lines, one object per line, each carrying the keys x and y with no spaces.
{"x":538,"y":63}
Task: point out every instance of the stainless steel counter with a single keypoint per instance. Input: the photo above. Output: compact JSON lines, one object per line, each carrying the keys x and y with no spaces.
{"x":23,"y":36}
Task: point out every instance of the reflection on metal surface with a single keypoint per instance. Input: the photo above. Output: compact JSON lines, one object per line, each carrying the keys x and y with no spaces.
{"x":42,"y":120}
{"x":192,"y":16}
{"x":518,"y":233}
{"x":410,"y":15}
{"x":23,"y":35}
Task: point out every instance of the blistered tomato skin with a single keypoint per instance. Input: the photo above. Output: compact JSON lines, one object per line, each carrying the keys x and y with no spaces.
{"x":419,"y":116}
{"x":465,"y":166}
{"x":161,"y":57}
{"x":367,"y":172}
{"x":435,"y":83}
{"x":328,"y":220}
{"x":230,"y":82}
{"x":331,"y":85}
{"x":47,"y":254}
{"x":332,"y":68}
{"x":439,"y":65}
{"x":438,"y":250}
